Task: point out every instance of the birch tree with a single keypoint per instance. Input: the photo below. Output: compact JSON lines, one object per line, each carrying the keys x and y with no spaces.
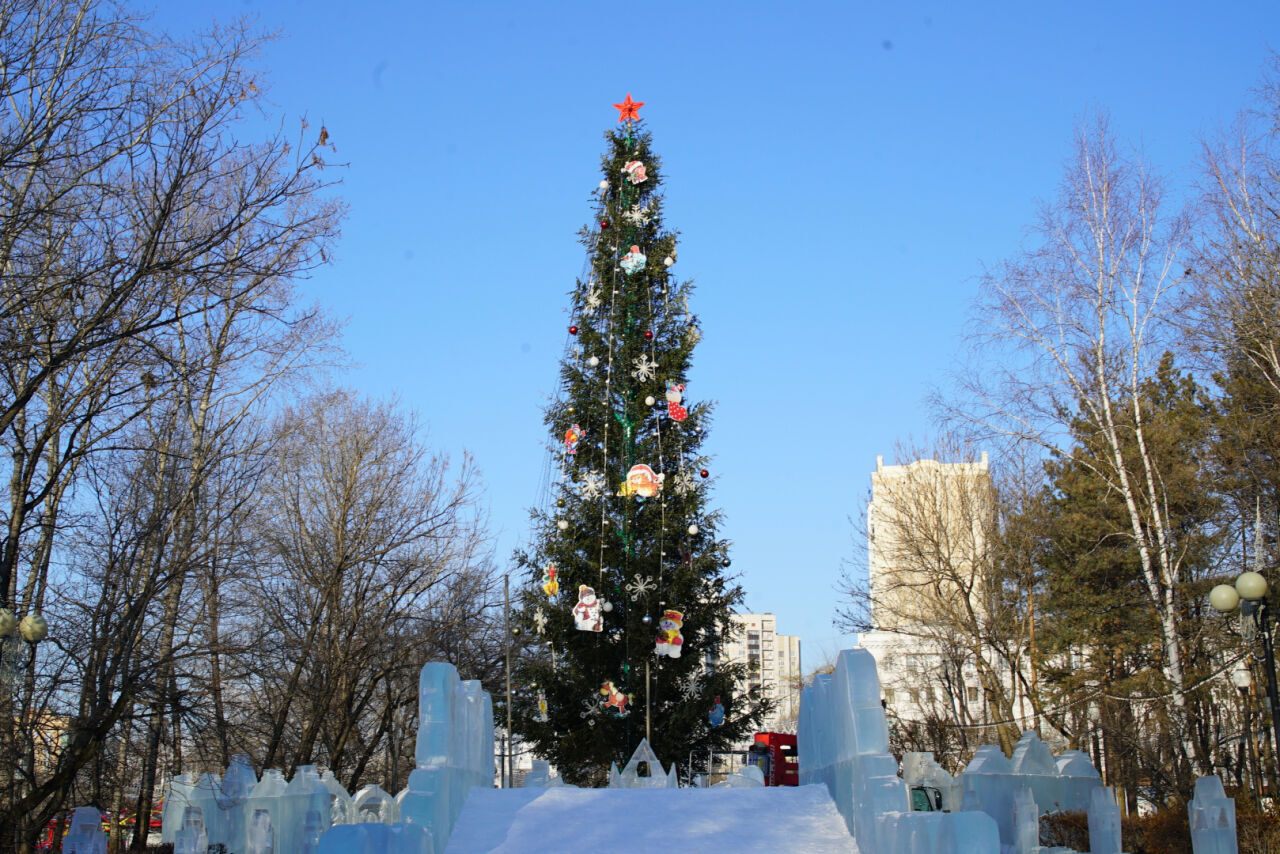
{"x":1069,"y":329}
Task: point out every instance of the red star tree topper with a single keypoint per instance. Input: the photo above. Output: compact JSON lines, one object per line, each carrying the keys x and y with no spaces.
{"x":628,"y":109}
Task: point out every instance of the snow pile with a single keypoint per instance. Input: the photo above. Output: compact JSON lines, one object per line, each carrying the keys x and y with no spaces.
{"x":765,"y":820}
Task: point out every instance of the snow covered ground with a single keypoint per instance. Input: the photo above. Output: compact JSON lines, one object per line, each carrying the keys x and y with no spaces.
{"x":621,"y":821}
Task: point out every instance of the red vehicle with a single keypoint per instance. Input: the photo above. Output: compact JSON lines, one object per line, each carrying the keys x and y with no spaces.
{"x":781,"y":765}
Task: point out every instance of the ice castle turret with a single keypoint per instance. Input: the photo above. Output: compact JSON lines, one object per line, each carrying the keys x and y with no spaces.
{"x":1213,"y":818}
{"x":454,"y":751}
{"x":844,"y":743}
{"x":85,"y":835}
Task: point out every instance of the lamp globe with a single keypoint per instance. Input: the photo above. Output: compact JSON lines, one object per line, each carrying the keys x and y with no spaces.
{"x":1224,"y":598}
{"x":1251,"y":585}
{"x":33,"y":628}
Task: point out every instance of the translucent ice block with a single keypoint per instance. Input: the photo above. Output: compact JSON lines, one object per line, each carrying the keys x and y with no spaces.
{"x":85,"y":834}
{"x":1213,"y":818}
{"x":372,"y":804}
{"x":1104,"y":822}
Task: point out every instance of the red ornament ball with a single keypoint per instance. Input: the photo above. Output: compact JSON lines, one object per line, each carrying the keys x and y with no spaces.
{"x":705,"y":473}
{"x":648,"y":336}
{"x":604,"y":223}
{"x":573,"y":330}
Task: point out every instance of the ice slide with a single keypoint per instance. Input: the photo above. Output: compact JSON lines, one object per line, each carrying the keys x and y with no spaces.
{"x":622,"y":821}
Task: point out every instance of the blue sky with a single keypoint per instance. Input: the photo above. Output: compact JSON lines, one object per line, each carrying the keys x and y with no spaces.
{"x":839,"y":173}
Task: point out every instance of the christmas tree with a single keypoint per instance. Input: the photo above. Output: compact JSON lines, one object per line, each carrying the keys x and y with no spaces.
{"x":628,"y":603}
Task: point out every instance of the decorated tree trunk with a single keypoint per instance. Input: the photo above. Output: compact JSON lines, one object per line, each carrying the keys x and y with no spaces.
{"x":627,"y":603}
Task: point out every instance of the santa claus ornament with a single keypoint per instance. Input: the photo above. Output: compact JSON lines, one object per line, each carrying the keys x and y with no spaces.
{"x":669,"y":640}
{"x":572,"y":437}
{"x":675,"y":394}
{"x":586,"y":614}
{"x":634,"y":170}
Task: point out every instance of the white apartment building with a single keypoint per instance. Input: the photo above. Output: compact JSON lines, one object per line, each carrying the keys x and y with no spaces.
{"x":927,"y":524}
{"x":773,"y":664}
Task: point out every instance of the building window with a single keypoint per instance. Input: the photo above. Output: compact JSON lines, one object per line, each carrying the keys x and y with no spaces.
{"x":888,"y":695}
{"x":973,"y":694}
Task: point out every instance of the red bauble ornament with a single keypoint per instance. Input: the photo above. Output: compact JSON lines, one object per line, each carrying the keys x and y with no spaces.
{"x":705,"y":473}
{"x":604,"y":223}
{"x":648,"y":336}
{"x":573,"y":330}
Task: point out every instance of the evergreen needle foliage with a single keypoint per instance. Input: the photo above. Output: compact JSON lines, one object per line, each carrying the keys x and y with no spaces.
{"x":613,"y":542}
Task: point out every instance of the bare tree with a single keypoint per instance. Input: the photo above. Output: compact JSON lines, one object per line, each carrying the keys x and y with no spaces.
{"x":937,"y":589}
{"x":1237,"y":263}
{"x":134,"y":215}
{"x":372,"y":551}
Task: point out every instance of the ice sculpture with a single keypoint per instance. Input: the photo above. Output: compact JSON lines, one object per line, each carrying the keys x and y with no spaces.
{"x":1104,"y":822}
{"x":304,"y":813}
{"x":372,"y":804}
{"x":643,"y":759}
{"x":921,"y":769}
{"x":454,"y":751}
{"x":175,"y":801}
{"x":192,"y":838}
{"x":1061,"y":784}
{"x":237,"y":783}
{"x":342,"y":809}
{"x":85,"y":835}
{"x":264,"y":814}
{"x":1026,"y":821}
{"x":203,"y":797}
{"x":1213,"y":818}
{"x":376,"y":838}
{"x":844,"y":739}
{"x":540,"y":776}
{"x":746,"y":777}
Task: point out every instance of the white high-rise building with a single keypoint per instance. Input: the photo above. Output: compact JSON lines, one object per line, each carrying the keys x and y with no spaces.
{"x":773,"y":665}
{"x":927,"y":527}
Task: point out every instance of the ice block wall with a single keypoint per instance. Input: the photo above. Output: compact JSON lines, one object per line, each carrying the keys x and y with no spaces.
{"x":454,"y":750}
{"x":991,"y":780}
{"x":271,"y":816}
{"x":843,"y":742}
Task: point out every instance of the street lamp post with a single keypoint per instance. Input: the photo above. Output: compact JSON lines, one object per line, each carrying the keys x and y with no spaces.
{"x":506,"y":632}
{"x":13,"y":632}
{"x":1242,"y":678}
{"x":1249,"y":596}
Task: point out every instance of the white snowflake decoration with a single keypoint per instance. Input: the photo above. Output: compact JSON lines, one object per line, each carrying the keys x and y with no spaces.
{"x":592,"y":486}
{"x":638,"y":215}
{"x":641,"y":586}
{"x":592,"y":300}
{"x":684,"y":483}
{"x":692,"y":689}
{"x":540,"y":620}
{"x":590,"y":711}
{"x":644,"y":368}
